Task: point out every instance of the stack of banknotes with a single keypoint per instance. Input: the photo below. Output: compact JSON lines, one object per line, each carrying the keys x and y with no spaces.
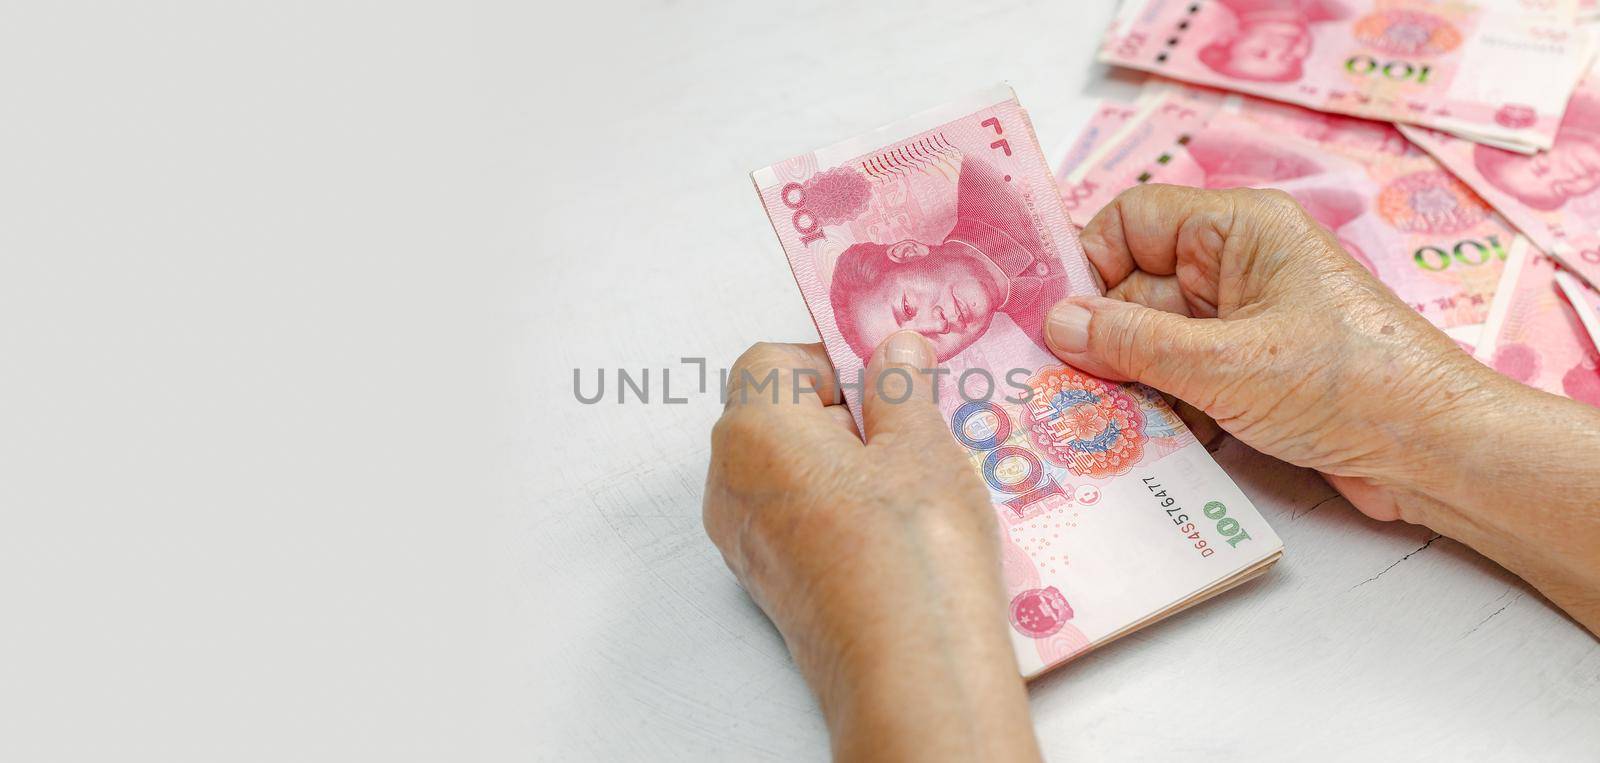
{"x":1453,"y":148}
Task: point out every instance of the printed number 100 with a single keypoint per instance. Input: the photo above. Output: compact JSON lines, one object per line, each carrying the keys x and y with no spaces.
{"x":1228,"y":526}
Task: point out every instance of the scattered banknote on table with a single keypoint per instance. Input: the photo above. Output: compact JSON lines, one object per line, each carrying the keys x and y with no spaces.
{"x":1497,"y":71}
{"x":1108,"y":120}
{"x":1534,"y":333}
{"x":1578,"y":295}
{"x":1111,"y":514}
{"x":1424,"y":134}
{"x":1553,"y":197}
{"x":1393,"y":207}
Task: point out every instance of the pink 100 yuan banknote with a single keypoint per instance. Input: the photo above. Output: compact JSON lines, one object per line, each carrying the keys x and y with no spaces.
{"x":948,"y":223}
{"x":1535,"y":335}
{"x":1412,"y":224}
{"x":1553,"y":197}
{"x":1494,"y":70}
{"x":1107,"y":122}
{"x":1579,"y":295}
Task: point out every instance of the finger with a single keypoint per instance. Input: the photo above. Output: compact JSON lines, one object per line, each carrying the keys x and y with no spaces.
{"x":842,"y":417}
{"x":1159,"y":292}
{"x":1155,"y":228}
{"x":897,"y":402}
{"x":1187,"y":357}
{"x":771,"y":373}
{"x":824,"y":382}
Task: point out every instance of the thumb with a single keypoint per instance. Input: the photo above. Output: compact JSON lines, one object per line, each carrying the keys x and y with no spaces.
{"x":1123,"y":341}
{"x":898,"y":397}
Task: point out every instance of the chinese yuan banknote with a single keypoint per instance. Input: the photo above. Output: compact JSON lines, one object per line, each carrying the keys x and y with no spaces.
{"x":1588,"y":310}
{"x":1499,"y":70}
{"x":1111,"y":515}
{"x":1407,"y":220}
{"x":1535,"y":335}
{"x":1107,"y":121}
{"x":1553,"y":197}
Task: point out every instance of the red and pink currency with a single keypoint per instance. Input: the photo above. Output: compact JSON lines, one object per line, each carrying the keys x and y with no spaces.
{"x":1497,"y":70}
{"x":1422,"y":232}
{"x":949,"y":224}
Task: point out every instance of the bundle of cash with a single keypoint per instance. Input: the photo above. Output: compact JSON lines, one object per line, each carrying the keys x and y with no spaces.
{"x":1552,"y":196}
{"x":1452,"y":147}
{"x":1111,"y":514}
{"x":1497,"y":71}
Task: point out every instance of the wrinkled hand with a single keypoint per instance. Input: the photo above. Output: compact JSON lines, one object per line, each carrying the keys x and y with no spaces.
{"x":1242,"y":305}
{"x":878,"y":561}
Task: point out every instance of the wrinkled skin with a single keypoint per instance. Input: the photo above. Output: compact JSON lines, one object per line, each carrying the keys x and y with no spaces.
{"x":1312,"y":359}
{"x":878,"y":561}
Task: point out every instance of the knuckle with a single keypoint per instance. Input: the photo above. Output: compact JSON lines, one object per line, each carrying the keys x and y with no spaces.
{"x":1285,"y":210}
{"x":1127,"y":204}
{"x":758,"y":356}
{"x":1275,"y":199}
{"x":737,"y":430}
{"x":1133,"y":195}
{"x":713,"y":518}
{"x":1138,"y":200}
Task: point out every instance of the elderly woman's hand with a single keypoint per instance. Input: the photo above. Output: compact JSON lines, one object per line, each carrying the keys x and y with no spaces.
{"x":877,"y":560}
{"x":1242,"y":305}
{"x":1303,"y":354}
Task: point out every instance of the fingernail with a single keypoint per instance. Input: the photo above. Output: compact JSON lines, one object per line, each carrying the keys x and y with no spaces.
{"x":908,"y":348}
{"x":1069,"y":327}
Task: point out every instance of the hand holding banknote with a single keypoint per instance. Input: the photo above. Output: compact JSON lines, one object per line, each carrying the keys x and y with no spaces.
{"x":876,"y":560}
{"x":1239,"y":303}
{"x":1310,"y":359}
{"x":920,"y":535}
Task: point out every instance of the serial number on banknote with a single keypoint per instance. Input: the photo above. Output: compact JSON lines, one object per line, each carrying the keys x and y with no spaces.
{"x":1213,"y":511}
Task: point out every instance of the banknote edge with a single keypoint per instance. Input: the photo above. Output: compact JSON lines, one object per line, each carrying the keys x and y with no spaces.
{"x":1141,"y":115}
{"x":896,"y":131}
{"x":1500,"y":306}
{"x":1435,"y":143}
{"x":1217,"y":588}
{"x":1582,"y":304}
{"x":1508,"y":138}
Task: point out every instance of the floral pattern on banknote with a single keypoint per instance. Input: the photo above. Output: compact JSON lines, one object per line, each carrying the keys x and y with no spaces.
{"x":949,"y":224}
{"x":1090,"y":426}
{"x":1404,"y":32}
{"x":1431,"y":202}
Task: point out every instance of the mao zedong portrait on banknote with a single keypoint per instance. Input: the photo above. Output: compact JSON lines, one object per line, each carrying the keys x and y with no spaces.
{"x":949,"y":224}
{"x":1268,"y":40}
{"x":948,"y":290}
{"x":1549,"y":179}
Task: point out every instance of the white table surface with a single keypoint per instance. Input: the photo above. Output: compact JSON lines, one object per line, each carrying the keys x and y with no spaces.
{"x":291,"y":466}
